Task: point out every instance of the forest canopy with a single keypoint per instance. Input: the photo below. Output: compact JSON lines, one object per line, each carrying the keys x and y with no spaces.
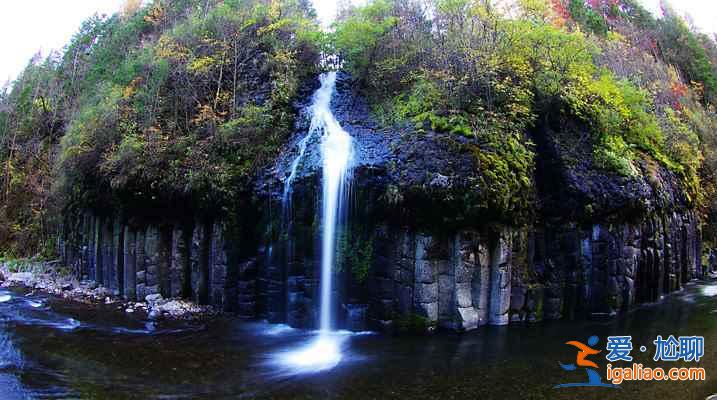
{"x":178,"y":104}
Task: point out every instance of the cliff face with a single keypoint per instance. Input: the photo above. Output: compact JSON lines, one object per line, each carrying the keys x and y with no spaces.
{"x":414,"y":243}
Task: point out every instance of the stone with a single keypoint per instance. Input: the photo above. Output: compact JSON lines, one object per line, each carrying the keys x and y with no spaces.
{"x":463,"y":272}
{"x":552,"y":308}
{"x":439,"y":181}
{"x":174,"y":308}
{"x":613,"y":288}
{"x":517,"y":298}
{"x":154,"y":314}
{"x":153,"y":298}
{"x":499,"y":302}
{"x":383,"y":287}
{"x":629,"y":292}
{"x":405,"y":299}
{"x":356,"y":316}
{"x":422,"y":244}
{"x":480,"y":292}
{"x":467,"y":318}
{"x":22,"y":278}
{"x":446,"y":302}
{"x":426,"y":292}
{"x":464,"y":297}
{"x":613,"y":266}
{"x":428,"y":310}
{"x":151,"y":289}
{"x":425,"y":272}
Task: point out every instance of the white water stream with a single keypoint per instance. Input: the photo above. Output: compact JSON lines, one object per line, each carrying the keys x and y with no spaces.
{"x":336,"y":155}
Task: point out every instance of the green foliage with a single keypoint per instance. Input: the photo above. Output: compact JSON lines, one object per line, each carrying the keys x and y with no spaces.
{"x":14,"y":265}
{"x":182,"y":117}
{"x":587,"y":17}
{"x":469,"y":70}
{"x":356,"y":253}
{"x":176,"y":101}
{"x":412,"y":324}
{"x":681,"y":46}
{"x":357,"y":37}
{"x":456,"y":74}
{"x":183,"y":101}
{"x":506,"y":166}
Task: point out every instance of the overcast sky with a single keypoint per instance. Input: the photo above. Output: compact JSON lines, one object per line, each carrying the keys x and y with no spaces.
{"x":28,"y":26}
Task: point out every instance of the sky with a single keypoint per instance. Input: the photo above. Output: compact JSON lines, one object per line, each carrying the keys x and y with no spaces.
{"x":29,"y":26}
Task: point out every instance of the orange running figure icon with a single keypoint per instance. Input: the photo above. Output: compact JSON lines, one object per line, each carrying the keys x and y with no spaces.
{"x":582,"y":361}
{"x":584,"y":352}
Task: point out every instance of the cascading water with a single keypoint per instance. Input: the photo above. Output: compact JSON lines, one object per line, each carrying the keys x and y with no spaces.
{"x":336,"y":155}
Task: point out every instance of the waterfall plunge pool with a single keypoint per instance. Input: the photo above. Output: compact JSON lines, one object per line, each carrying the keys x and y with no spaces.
{"x":108,"y":354}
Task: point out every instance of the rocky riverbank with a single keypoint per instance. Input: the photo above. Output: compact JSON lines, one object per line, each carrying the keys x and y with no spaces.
{"x":50,"y":277}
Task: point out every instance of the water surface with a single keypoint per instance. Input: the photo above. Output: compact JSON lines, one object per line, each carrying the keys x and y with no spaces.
{"x":52,"y":348}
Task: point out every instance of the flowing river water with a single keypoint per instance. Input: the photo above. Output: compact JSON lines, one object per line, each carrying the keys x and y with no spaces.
{"x":54,"y":348}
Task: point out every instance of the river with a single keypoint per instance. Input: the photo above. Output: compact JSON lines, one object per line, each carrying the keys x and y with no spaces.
{"x":54,"y":348}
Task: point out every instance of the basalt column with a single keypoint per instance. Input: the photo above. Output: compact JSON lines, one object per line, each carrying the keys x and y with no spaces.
{"x":130,"y":263}
{"x":165,"y":261}
{"x":180,"y":270}
{"x":92,"y":237}
{"x":247,"y":289}
{"x":108,"y":256}
{"x":140,"y":264}
{"x":195,"y":252}
{"x":426,"y":280}
{"x":500,"y":270}
{"x":88,"y":246}
{"x":223,"y":277}
{"x":204,"y":269}
{"x":151,"y":260}
{"x":465,"y":268}
{"x":117,"y":267}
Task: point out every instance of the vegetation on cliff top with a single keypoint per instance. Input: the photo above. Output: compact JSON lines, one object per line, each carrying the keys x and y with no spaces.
{"x":174,"y":104}
{"x":469,"y":67}
{"x":178,"y":104}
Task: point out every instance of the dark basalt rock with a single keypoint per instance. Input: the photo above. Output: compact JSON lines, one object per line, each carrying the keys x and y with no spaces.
{"x":413,"y":248}
{"x":401,"y":174}
{"x":573,"y":186}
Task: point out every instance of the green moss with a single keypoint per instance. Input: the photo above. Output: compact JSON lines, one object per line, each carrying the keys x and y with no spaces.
{"x":412,"y":324}
{"x":356,"y":254}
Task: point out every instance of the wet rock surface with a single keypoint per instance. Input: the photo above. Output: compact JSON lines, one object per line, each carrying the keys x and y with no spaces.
{"x":412,"y":250}
{"x":44,"y":278}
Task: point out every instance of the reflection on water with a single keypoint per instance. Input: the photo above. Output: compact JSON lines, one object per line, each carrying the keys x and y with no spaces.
{"x":50,"y":348}
{"x":321,"y":353}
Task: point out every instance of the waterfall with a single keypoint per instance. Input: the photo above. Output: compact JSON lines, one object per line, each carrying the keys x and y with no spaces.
{"x":336,"y":155}
{"x":286,"y":196}
{"x":336,"y":152}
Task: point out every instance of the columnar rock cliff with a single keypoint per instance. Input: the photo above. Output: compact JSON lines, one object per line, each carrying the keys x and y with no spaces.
{"x":412,"y":248}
